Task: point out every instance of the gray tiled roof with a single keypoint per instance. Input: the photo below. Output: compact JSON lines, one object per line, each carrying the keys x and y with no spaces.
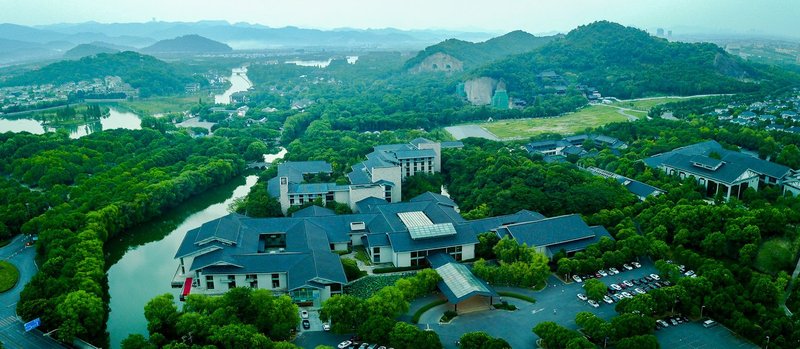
{"x":438,"y":198}
{"x":638,"y":188}
{"x":411,"y":154}
{"x":735,"y":163}
{"x":579,"y":245}
{"x":313,"y":211}
{"x":550,"y":231}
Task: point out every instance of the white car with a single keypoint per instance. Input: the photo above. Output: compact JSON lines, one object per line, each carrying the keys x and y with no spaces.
{"x":628,"y":283}
{"x":345,"y":344}
{"x":582,"y":296}
{"x":593,"y":303}
{"x":602,"y":272}
{"x":627,"y":267}
{"x":689,"y":273}
{"x":662,"y":323}
{"x":655,"y":277}
{"x":326,"y":326}
{"x":608,"y":299}
{"x":682,"y":268}
{"x":613,"y":271}
{"x":615,"y":287}
{"x":636,"y":264}
{"x":577,"y":278}
{"x":304,"y":314}
{"x":626,"y":295}
{"x":639,"y":290}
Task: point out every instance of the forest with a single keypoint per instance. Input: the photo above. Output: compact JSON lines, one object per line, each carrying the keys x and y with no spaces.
{"x":87,"y":191}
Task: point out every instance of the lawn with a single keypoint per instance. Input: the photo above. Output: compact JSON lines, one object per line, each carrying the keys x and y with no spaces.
{"x":776,"y":255}
{"x":591,"y":116}
{"x":157,"y":105}
{"x":647,"y":104}
{"x":367,"y":286}
{"x":9,"y":275}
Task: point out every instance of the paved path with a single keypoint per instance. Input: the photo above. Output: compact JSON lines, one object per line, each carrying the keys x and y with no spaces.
{"x":12,"y":332}
{"x":466,"y":131}
{"x":789,"y":289}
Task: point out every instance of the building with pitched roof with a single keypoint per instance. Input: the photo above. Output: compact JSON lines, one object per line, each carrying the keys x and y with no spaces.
{"x":295,"y":255}
{"x":380,"y":176}
{"x":719,"y":170}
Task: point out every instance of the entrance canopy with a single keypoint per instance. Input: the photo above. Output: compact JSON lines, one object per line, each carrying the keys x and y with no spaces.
{"x":458,"y":283}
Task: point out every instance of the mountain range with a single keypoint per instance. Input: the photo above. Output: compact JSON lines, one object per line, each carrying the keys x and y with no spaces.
{"x":51,"y":41}
{"x":619,"y":61}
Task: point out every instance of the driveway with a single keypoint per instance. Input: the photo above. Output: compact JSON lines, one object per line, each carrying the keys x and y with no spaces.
{"x":12,"y":332}
{"x":558,"y":302}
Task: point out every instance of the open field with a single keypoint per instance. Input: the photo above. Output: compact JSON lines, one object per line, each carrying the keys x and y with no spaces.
{"x":158,"y":105}
{"x":645,"y":104}
{"x":591,"y":116}
{"x":9,"y":275}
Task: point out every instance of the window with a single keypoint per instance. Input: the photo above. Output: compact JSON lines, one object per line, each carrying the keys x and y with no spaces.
{"x":231,"y":281}
{"x":376,"y":254}
{"x":253,"y":280}
{"x":209,"y":282}
{"x":276,"y":281}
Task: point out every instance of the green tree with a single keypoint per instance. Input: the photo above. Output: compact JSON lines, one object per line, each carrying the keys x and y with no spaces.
{"x":136,"y":341}
{"x":233,"y":336}
{"x":80,"y":314}
{"x":628,"y":325}
{"x":639,"y":342}
{"x":595,"y":289}
{"x":255,"y":151}
{"x":162,"y":315}
{"x":790,"y":156}
{"x":345,"y":312}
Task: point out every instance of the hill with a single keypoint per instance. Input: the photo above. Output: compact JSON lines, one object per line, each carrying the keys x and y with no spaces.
{"x":188,"y":44}
{"x":92,"y":49}
{"x":473,"y":55}
{"x":146,"y":73}
{"x":627,"y":62}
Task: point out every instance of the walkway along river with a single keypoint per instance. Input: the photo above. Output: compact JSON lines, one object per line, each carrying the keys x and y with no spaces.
{"x":141,"y":263}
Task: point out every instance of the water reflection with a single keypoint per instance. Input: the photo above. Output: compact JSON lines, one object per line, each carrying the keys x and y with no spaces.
{"x":239,"y":83}
{"x":115,"y":119}
{"x":141,"y":260}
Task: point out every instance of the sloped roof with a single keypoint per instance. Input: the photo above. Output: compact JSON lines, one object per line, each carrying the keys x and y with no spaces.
{"x":458,"y":282}
{"x":313,"y":211}
{"x":580,"y":245}
{"x":549,"y":231}
{"x":438,"y":198}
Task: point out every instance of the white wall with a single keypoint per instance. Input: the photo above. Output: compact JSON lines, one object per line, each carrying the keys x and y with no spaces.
{"x":358,"y":193}
{"x":391,"y":174}
{"x":402,"y":259}
{"x":467,"y":252}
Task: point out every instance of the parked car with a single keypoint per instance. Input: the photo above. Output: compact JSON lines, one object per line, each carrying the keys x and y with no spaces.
{"x":304,"y":314}
{"x":648,"y":278}
{"x":655,"y":277}
{"x":627,"y":295}
{"x":593,"y":303}
{"x":306,"y":324}
{"x":613,"y":271}
{"x":682,"y":268}
{"x":582,"y":296}
{"x":326,"y":326}
{"x":689,"y":273}
{"x":364,"y":346}
{"x":673,"y":322}
{"x":577,"y":278}
{"x":627,"y":283}
{"x":597,"y":275}
{"x":602,"y":272}
{"x":636,"y":281}
{"x":345,"y":344}
{"x":662,"y":323}
{"x":644,"y":280}
{"x":608,"y":299}
{"x":627,"y":267}
{"x":636,"y":264}
{"x":665,"y":283}
{"x":615,"y":287}
{"x":639,"y":290}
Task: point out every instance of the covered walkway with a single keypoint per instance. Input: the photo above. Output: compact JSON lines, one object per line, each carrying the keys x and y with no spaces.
{"x":460,"y":286}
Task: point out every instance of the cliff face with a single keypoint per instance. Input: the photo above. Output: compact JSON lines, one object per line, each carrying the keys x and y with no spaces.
{"x":480,"y":90}
{"x":438,"y":62}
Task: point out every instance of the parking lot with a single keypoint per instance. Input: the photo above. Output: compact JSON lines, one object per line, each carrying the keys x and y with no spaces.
{"x":692,"y":335}
{"x":557,"y":302}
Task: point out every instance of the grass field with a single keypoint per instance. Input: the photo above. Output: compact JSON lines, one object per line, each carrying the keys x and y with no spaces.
{"x":647,"y":104}
{"x":775,"y":255}
{"x":158,"y":105}
{"x":9,"y":275}
{"x":591,"y":116}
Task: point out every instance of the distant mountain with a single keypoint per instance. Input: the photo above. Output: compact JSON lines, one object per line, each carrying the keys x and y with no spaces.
{"x":473,"y":55}
{"x":150,"y":75}
{"x":187,"y":44}
{"x":94,"y":48}
{"x":627,"y":62}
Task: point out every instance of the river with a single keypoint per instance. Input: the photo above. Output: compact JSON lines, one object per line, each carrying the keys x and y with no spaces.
{"x":141,"y":259}
{"x":115,"y":119}
{"x":239,"y":83}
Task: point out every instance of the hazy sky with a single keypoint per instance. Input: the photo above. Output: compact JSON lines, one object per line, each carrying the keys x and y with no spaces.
{"x":780,"y":17}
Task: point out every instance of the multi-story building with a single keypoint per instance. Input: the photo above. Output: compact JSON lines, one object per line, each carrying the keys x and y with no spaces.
{"x":295,"y":256}
{"x":380,"y":176}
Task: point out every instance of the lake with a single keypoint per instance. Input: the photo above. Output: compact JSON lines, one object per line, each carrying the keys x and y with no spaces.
{"x":239,"y":83}
{"x":141,"y":259}
{"x":319,"y":63}
{"x":115,"y":119}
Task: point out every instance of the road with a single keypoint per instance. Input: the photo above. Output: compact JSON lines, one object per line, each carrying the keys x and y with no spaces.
{"x":12,"y":332}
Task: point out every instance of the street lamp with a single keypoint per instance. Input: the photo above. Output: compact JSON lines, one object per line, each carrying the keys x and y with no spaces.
{"x":701,"y":311}
{"x":767,"y":346}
